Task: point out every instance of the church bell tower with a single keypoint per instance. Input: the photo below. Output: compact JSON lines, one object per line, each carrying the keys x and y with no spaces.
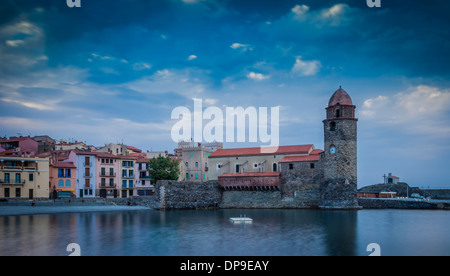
{"x":339,"y":186}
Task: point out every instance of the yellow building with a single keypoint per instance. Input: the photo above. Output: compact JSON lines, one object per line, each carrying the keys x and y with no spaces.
{"x":24,"y":177}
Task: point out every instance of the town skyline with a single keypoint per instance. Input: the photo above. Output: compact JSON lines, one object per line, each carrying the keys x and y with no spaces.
{"x":113,"y":72}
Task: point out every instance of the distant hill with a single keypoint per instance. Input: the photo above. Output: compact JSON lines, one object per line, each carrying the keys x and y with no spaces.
{"x":400,"y":188}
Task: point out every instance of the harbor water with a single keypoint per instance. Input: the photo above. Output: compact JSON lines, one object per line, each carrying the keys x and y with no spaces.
{"x":211,"y":233}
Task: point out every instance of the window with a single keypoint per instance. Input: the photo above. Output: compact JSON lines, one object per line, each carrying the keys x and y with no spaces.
{"x":130,"y":173}
{"x":111,"y":171}
{"x":31,"y":177}
{"x":130,"y":184}
{"x":103,"y":171}
{"x":103,"y":182}
{"x":196,"y":176}
{"x":187,"y":164}
{"x":333,"y":126}
{"x":192,"y":154}
{"x":196,"y":164}
{"x":18,"y":178}
{"x":124,"y":184}
{"x":61,"y":183}
{"x":68,"y":184}
{"x":68,"y":173}
{"x":188,"y":176}
{"x":60,"y":172}
{"x":7,"y":179}
{"x":312,"y":166}
{"x":124,"y":173}
{"x":291,"y":166}
{"x":18,"y":193}
{"x":275,"y":167}
{"x":237,"y":169}
{"x":338,"y":113}
{"x":111,"y":182}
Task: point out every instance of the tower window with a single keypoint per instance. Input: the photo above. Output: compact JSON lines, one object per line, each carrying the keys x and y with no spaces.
{"x":291,"y":166}
{"x":312,"y":166}
{"x":333,"y":126}
{"x":338,"y":113}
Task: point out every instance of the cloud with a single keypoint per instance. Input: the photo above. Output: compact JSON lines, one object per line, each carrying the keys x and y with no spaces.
{"x":242,"y":47}
{"x":422,"y":110}
{"x":14,"y":43}
{"x":300,"y":11}
{"x":306,"y":68}
{"x":257,"y":76}
{"x":192,"y":57}
{"x":140,"y":66}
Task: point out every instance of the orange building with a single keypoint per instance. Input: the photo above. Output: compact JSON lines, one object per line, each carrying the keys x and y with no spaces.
{"x":63,"y":179}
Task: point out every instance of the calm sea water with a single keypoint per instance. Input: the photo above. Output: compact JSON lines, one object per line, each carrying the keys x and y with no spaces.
{"x":210,"y":233}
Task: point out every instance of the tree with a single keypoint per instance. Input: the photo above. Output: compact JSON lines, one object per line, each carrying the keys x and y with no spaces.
{"x":163,"y":168}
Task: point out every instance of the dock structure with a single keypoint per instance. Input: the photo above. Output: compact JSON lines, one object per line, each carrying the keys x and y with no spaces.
{"x":241,"y":220}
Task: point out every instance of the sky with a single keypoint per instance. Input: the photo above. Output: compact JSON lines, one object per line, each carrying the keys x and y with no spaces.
{"x":113,"y":71}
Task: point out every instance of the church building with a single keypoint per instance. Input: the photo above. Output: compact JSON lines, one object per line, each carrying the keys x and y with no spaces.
{"x":304,"y":176}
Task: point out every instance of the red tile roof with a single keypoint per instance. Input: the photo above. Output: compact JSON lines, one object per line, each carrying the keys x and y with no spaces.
{"x":251,"y":174}
{"x":134,"y":149}
{"x":314,"y":156}
{"x":301,"y":149}
{"x":60,"y":164}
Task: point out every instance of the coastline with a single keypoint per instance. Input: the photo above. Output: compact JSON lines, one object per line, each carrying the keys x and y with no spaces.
{"x":44,"y":210}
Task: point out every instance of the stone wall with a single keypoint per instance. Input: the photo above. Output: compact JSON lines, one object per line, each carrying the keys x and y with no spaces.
{"x":188,"y":195}
{"x":377,"y":203}
{"x":306,"y":198}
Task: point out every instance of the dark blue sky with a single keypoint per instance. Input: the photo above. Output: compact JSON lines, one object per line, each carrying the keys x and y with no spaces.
{"x":113,"y":71}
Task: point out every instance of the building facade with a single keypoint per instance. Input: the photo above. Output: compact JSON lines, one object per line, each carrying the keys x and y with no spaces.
{"x":128,"y":176}
{"x":86,"y":174}
{"x":107,"y":171}
{"x":143,"y":185}
{"x":24,"y":178}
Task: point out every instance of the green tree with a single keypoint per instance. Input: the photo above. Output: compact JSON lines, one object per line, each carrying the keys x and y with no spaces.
{"x":163,"y":168}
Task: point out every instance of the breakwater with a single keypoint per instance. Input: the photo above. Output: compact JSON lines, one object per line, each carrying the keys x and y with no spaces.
{"x":189,"y":195}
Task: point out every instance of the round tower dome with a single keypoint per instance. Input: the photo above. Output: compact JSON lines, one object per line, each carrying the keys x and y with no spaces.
{"x":340,"y":97}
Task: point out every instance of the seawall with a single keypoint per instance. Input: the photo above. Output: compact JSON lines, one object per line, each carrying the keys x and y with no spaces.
{"x":381,"y":203}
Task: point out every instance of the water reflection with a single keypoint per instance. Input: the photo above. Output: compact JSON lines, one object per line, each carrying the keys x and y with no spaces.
{"x":210,"y":233}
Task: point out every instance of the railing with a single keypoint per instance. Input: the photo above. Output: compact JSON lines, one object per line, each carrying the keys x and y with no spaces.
{"x":8,"y":182}
{"x":125,"y":186}
{"x":107,"y":174}
{"x":19,"y":168}
{"x":128,"y":176}
{"x":89,"y":164}
{"x":107,"y":185}
{"x":87,"y":175}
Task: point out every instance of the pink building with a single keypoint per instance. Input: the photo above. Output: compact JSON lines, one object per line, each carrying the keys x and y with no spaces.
{"x":17,"y":146}
{"x":107,"y":172}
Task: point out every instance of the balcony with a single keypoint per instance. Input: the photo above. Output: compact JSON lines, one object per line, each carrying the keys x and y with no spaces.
{"x":89,"y":164}
{"x":9,"y":182}
{"x":108,"y":185}
{"x":89,"y":175}
{"x":129,"y":186}
{"x":131,"y":176}
{"x":107,"y":174}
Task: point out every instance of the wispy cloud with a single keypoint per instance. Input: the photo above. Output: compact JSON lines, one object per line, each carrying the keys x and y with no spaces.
{"x":306,"y":68}
{"x":257,"y":76}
